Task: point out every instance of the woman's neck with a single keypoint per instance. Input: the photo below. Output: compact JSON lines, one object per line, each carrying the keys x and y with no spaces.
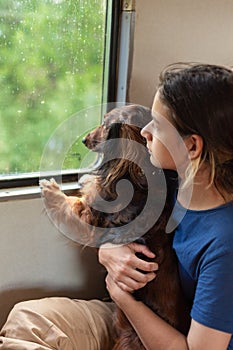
{"x":204,"y":196}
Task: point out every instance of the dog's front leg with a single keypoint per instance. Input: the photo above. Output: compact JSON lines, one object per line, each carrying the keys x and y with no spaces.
{"x":70,"y":214}
{"x":54,"y":198}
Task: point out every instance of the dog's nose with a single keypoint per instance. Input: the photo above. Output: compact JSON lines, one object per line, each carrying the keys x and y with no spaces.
{"x":84,"y":140}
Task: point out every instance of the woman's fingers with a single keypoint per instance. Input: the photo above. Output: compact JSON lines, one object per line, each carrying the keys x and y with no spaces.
{"x":129,"y":284}
{"x":125,"y":268}
{"x":140,"y":248}
{"x":139,"y":263}
{"x":131,"y":263}
{"x":128,"y":272}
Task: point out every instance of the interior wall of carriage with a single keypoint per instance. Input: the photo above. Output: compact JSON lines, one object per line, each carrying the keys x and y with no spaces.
{"x":169,"y":31}
{"x":35,"y":259}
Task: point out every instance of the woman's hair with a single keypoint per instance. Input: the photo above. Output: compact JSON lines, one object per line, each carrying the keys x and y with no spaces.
{"x":200,"y":98}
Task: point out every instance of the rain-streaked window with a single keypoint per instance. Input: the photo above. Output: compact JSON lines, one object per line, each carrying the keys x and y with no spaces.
{"x":51,"y":66}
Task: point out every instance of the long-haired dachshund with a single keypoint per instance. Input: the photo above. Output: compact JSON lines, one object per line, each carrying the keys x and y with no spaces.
{"x":96,"y":215}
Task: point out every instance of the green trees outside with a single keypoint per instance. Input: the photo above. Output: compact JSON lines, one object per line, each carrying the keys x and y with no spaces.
{"x":51,"y":66}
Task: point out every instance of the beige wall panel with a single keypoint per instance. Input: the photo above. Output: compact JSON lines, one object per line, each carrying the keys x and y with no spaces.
{"x":170,"y":31}
{"x":38,"y":261}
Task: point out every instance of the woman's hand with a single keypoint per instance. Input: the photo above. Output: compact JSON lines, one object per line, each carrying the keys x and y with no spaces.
{"x":122,"y":265}
{"x":119,"y":296}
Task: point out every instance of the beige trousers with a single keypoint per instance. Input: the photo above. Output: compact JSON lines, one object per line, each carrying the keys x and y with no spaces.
{"x":59,"y":323}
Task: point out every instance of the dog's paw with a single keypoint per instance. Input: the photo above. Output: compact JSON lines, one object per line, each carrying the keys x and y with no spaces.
{"x":49,"y":184}
{"x":49,"y":188}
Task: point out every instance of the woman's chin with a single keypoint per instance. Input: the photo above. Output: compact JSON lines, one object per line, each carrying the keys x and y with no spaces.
{"x":154,"y":162}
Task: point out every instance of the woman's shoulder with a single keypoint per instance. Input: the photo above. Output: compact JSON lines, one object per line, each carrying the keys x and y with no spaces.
{"x":219,"y":231}
{"x":207,"y":232}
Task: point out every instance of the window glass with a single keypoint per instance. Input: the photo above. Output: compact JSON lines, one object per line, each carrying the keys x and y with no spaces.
{"x":51,"y":67}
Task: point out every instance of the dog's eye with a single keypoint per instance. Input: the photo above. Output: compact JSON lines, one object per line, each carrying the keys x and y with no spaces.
{"x":105,"y":126}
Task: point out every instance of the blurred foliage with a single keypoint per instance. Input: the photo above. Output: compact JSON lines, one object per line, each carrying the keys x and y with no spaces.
{"x":51,"y":66}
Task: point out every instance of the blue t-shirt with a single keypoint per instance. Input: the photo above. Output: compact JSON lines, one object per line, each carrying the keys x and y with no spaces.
{"x":203,"y":242}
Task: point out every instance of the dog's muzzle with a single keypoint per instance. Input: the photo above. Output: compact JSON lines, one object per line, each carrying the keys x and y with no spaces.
{"x":84,"y":141}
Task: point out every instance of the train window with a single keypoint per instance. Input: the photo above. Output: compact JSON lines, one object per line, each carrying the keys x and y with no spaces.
{"x":54,"y":63}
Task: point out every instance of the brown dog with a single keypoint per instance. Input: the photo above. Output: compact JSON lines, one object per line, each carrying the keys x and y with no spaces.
{"x":83,"y":216}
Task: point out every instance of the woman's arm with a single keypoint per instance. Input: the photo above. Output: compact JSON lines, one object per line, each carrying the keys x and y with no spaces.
{"x":121,"y":264}
{"x":153,"y":331}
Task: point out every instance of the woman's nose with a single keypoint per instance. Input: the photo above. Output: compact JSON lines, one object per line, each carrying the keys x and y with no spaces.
{"x":146,"y":133}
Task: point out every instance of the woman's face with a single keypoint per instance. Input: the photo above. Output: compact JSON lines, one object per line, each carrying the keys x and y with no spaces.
{"x":165,"y":145}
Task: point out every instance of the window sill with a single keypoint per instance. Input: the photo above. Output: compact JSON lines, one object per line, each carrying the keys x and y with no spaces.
{"x":20,"y":193}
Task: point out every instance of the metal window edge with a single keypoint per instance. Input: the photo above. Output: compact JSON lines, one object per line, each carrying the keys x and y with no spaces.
{"x":125,"y":48}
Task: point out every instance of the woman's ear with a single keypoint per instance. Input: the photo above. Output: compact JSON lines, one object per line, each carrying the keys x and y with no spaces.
{"x":194,"y":144}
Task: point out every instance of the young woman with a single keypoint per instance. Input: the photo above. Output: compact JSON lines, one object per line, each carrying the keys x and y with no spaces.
{"x":198,"y":101}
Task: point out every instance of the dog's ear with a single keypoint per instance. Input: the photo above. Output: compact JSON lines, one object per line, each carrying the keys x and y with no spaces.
{"x":124,"y":131}
{"x":131,"y":157}
{"x":114,"y":131}
{"x":132,"y":132}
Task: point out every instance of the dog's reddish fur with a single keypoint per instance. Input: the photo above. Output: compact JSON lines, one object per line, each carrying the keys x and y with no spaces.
{"x":163,"y":295}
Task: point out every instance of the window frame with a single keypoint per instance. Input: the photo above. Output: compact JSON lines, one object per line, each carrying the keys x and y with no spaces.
{"x":26,"y":185}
